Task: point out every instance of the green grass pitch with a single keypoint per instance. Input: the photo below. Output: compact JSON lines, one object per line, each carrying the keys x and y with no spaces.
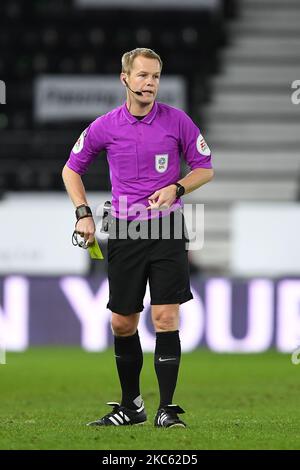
{"x":232,"y":402}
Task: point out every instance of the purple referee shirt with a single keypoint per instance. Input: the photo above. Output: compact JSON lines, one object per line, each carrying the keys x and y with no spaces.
{"x":143,"y":155}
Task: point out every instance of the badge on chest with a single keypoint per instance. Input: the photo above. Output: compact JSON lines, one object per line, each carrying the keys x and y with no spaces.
{"x":161,"y":162}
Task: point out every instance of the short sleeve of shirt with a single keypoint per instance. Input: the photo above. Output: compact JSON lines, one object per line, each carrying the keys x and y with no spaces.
{"x":87,"y":147}
{"x":195,"y":150}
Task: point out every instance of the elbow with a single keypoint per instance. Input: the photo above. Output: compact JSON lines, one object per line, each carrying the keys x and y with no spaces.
{"x":68,"y":171}
{"x":211,"y":174}
{"x":63,"y":173}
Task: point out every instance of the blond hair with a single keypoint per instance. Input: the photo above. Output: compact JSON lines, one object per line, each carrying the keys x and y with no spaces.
{"x":128,"y":58}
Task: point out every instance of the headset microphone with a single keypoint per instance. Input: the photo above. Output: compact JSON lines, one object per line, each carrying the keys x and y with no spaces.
{"x":140,"y":93}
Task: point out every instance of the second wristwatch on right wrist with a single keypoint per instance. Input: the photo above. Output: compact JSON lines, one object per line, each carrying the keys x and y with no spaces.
{"x":180,"y":190}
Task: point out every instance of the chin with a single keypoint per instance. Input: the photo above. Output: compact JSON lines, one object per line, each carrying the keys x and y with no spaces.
{"x":147,"y":100}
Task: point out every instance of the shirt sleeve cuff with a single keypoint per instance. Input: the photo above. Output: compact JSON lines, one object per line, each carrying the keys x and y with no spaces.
{"x":75,"y":167}
{"x":206,"y":165}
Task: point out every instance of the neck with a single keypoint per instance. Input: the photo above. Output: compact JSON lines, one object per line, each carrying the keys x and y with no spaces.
{"x":138,"y":109}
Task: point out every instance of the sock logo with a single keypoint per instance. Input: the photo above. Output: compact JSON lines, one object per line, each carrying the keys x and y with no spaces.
{"x":167,"y":359}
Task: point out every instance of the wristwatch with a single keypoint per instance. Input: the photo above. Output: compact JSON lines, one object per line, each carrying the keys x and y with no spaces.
{"x":180,"y":190}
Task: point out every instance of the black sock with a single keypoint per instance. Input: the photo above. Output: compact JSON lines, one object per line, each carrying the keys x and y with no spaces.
{"x":166,"y":360}
{"x":129,"y":359}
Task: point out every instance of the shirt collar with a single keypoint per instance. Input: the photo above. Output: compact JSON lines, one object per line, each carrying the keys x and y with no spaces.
{"x":147,"y":119}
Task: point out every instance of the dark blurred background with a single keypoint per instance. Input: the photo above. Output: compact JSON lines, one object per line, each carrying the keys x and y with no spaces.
{"x":57,"y":37}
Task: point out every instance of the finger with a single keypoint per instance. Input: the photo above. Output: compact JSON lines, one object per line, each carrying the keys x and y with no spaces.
{"x":154,"y":195}
{"x":86,"y":241}
{"x":160,"y":202}
{"x":153,"y":202}
{"x":89,"y":236}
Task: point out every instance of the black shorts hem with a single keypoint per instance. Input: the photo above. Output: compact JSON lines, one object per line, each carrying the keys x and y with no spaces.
{"x":174,"y":300}
{"x":125,"y":311}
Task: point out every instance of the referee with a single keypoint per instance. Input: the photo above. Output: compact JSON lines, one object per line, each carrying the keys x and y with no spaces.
{"x":143,"y":140}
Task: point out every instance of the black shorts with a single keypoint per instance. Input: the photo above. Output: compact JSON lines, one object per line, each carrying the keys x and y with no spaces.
{"x":132,"y":262}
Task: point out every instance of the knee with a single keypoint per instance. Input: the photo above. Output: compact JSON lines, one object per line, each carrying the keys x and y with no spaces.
{"x":122,"y":326}
{"x":165,"y":320}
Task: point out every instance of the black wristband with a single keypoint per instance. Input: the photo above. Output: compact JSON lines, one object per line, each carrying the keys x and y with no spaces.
{"x":83,"y":211}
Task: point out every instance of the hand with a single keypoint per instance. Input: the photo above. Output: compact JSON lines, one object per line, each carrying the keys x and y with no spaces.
{"x":162,"y":198}
{"x":86,"y":229}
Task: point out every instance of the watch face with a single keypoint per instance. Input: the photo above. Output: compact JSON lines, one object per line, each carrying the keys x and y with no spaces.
{"x":179,"y":191}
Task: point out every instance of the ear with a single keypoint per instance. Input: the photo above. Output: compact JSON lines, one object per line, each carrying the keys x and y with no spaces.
{"x":123,"y":78}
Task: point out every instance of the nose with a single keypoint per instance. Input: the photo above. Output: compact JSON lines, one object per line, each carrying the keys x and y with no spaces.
{"x":150,"y":82}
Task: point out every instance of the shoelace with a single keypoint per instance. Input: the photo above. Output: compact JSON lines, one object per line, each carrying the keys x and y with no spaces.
{"x":115,"y":410}
{"x":172,"y":414}
{"x":116,"y":415}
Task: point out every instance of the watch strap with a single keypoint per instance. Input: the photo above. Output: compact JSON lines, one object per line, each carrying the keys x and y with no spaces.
{"x":83,"y":211}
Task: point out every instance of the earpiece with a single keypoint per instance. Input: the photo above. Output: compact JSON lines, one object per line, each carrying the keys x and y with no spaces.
{"x":140,"y":93}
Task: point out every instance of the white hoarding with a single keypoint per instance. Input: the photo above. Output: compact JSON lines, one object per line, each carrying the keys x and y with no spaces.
{"x":265,"y":239}
{"x":58,"y":98}
{"x":37,"y":236}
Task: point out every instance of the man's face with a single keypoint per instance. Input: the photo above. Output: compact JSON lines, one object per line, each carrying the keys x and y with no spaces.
{"x":144,"y":76}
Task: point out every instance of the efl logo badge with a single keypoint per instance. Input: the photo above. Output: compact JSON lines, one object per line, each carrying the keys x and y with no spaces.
{"x":202,"y":146}
{"x":79,"y":144}
{"x":161,"y":162}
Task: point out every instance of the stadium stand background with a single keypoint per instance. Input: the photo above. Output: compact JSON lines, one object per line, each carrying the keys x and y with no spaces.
{"x":42,"y":37}
{"x":238,"y":61}
{"x":55,"y":37}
